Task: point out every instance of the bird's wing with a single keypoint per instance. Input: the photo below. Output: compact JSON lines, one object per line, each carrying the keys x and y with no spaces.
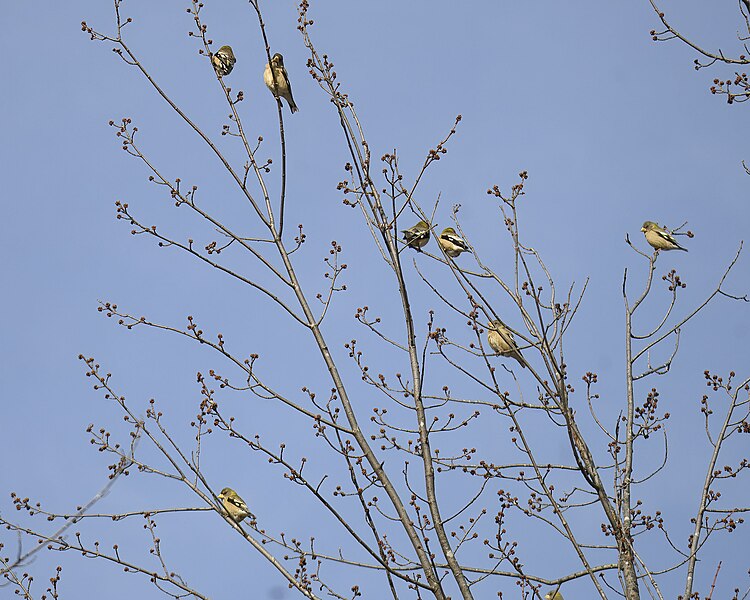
{"x":511,"y":341}
{"x":414,"y":233}
{"x":455,"y":240}
{"x":286,"y":80}
{"x":665,"y":235}
{"x":508,"y":336}
{"x":238,"y":503}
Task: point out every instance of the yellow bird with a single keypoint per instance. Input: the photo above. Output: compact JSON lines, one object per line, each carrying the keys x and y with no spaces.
{"x":554,"y":596}
{"x":282,"y":87}
{"x":452,"y":243}
{"x":234,"y":505}
{"x":659,"y":237}
{"x":223,"y":61}
{"x":417,"y":237}
{"x":501,"y":340}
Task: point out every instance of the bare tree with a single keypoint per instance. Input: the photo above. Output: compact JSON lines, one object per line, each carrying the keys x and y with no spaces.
{"x":435,"y":488}
{"x":736,"y":89}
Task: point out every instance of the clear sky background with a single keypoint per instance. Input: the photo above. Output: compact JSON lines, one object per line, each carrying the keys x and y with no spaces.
{"x":613,"y":129}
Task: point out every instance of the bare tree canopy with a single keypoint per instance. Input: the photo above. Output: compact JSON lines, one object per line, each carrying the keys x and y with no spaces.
{"x":361,"y":353}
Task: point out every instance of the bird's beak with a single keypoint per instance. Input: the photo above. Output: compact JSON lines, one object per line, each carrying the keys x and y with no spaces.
{"x":643,"y":229}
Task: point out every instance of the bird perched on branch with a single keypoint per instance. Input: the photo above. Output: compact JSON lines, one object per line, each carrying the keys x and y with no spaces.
{"x":282,"y":88}
{"x":554,"y":596}
{"x":223,"y":61}
{"x":234,"y":505}
{"x":417,"y":237}
{"x":501,"y":341}
{"x":452,"y":243}
{"x":659,"y":238}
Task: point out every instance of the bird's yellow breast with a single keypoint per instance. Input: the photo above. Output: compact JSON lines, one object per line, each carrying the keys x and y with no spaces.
{"x":267,"y":77}
{"x":281,"y":83}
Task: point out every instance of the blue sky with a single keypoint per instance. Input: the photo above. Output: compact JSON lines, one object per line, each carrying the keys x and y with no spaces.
{"x":613,"y":129}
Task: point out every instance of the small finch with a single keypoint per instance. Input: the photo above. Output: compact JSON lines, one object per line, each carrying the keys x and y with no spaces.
{"x":501,"y":341}
{"x":223,"y":61}
{"x":452,"y":243}
{"x":554,"y":596}
{"x":282,"y":88}
{"x":659,"y":238}
{"x":417,"y":237}
{"x":234,"y":505}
